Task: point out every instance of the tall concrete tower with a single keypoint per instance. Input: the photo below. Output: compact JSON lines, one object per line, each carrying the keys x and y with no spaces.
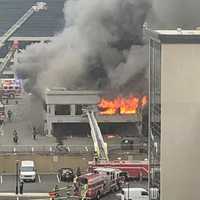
{"x":174,"y":115}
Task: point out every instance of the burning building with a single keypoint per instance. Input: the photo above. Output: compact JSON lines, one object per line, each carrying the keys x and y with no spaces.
{"x":64,"y":112}
{"x":100,"y":48}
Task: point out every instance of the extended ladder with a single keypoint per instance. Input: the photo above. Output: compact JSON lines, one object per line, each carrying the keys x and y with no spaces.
{"x":99,"y":145}
{"x":37,"y":7}
{"x":7,"y":60}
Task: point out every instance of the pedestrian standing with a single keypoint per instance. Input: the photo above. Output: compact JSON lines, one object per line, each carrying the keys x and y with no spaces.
{"x":9,"y":113}
{"x":84,"y":190}
{"x":34,"y":133}
{"x":1,"y":127}
{"x":75,"y":184}
{"x":15,"y":137}
{"x":78,"y":171}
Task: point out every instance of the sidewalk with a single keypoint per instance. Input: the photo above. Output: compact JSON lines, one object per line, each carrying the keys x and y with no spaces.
{"x":21,"y":122}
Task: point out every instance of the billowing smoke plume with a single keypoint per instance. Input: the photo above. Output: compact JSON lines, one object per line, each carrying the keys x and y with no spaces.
{"x":101,"y":46}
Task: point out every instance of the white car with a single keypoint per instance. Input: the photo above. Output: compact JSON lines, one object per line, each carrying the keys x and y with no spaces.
{"x":27,"y":170}
{"x":133,"y":194}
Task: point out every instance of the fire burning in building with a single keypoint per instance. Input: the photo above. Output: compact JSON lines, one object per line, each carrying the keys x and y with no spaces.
{"x":121,"y":105}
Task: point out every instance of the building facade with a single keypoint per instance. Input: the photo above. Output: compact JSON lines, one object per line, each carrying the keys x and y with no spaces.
{"x":174,"y":107}
{"x":64,"y":111}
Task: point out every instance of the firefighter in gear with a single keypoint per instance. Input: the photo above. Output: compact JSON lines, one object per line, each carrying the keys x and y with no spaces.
{"x":54,"y":193}
{"x":84,"y":190}
{"x":75,"y":183}
{"x":96,"y":157}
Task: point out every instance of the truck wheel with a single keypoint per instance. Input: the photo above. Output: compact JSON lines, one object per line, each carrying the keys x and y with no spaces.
{"x":98,"y":196}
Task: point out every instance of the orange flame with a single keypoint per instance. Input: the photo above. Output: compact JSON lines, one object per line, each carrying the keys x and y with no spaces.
{"x":121,"y":105}
{"x":144,"y":100}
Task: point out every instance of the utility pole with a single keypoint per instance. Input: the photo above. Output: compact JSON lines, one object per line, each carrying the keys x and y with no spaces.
{"x":17,"y":176}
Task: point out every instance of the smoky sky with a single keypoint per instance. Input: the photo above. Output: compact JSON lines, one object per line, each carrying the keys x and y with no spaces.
{"x":170,"y":14}
{"x":101,"y":46}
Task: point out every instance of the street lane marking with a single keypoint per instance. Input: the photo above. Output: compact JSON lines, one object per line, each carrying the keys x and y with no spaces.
{"x":39,"y":179}
{"x":1,"y":179}
{"x":68,"y":148}
{"x":2,"y":132}
{"x":17,"y":198}
{"x":12,"y":194}
{"x":86,"y":148}
{"x":58,"y":178}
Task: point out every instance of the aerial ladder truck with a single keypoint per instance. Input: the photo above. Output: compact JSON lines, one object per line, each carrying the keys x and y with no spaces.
{"x":132,"y":169}
{"x":100,"y":146}
{"x":35,"y":8}
{"x":9,"y":56}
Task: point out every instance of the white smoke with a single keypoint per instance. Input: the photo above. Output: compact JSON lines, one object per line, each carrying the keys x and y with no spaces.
{"x":96,"y":46}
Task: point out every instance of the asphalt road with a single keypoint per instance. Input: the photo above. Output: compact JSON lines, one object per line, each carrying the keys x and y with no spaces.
{"x":44,"y":184}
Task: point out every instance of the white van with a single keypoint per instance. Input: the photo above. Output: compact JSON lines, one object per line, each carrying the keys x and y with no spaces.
{"x":27,"y":170}
{"x":134,"y":194}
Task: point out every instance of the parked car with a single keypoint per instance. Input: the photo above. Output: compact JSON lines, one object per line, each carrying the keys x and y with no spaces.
{"x":66,"y":174}
{"x":127,"y":144}
{"x":27,"y":170}
{"x":134,"y":193}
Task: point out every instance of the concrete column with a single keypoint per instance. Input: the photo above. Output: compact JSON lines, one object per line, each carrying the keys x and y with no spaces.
{"x":48,"y":109}
{"x":52,"y":110}
{"x":49,"y":128}
{"x":73,"y":110}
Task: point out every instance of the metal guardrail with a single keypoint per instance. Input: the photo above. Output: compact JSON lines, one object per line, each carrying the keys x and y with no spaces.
{"x":64,"y":148}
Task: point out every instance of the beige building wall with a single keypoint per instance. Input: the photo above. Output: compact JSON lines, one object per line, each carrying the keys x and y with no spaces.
{"x":180,"y":122}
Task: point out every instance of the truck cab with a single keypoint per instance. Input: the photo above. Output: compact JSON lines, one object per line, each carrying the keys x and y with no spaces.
{"x":115,"y":178}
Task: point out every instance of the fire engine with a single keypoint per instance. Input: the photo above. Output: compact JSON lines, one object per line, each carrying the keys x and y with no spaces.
{"x":116,"y":177}
{"x":98,"y":184}
{"x":136,"y":169}
{"x":11,"y":88}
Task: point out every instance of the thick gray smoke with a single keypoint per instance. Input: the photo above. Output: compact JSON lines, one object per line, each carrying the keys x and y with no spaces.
{"x":101,"y":46}
{"x":171,"y":14}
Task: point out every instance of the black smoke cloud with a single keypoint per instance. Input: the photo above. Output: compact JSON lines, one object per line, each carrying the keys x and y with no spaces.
{"x":100,"y":47}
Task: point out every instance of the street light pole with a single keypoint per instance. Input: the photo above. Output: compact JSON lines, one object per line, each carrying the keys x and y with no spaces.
{"x":17,"y":176}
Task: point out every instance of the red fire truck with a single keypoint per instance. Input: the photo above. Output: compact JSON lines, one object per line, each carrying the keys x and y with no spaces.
{"x":11,"y":88}
{"x":98,"y":183}
{"x":95,"y":186}
{"x":116,"y":177}
{"x":136,"y":169}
